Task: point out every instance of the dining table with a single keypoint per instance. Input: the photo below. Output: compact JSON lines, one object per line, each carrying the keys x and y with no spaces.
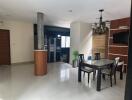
{"x":98,"y":65}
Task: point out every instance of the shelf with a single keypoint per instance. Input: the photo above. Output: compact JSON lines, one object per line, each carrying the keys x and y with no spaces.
{"x":117,"y":29}
{"x":117,"y":54}
{"x":118,"y":46}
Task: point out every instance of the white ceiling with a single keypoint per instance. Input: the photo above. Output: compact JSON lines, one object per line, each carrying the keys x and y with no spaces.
{"x":56,"y":11}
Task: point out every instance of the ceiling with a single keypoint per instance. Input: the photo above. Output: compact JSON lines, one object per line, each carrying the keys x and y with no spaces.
{"x":58,"y":12}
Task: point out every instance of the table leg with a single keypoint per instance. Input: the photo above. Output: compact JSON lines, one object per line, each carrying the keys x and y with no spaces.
{"x":99,"y":80}
{"x":121,"y":73}
{"x":79,"y":73}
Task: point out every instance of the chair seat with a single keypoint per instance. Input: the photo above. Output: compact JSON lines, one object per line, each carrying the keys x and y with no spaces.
{"x":86,"y":69}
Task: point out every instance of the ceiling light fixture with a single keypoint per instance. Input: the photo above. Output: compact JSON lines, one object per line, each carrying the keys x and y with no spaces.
{"x":100,"y":28}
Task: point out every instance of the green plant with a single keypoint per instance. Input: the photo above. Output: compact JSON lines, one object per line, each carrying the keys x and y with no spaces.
{"x":75,"y":55}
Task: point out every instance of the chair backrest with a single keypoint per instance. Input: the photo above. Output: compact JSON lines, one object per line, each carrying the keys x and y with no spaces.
{"x":81,"y":58}
{"x":117,"y":60}
{"x":97,"y":56}
{"x":89,"y":57}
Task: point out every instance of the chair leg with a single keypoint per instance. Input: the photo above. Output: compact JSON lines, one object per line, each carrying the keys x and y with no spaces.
{"x":88,"y":77}
{"x":103,"y":76}
{"x":111,"y":80}
{"x":115,"y":78}
{"x":94,"y":74}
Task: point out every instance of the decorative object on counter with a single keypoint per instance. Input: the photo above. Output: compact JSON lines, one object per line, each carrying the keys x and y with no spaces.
{"x":75,"y":58}
{"x":101,"y":27}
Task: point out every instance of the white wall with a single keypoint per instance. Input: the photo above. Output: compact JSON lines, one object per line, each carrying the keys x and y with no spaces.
{"x":21,"y":40}
{"x":74,"y":38}
{"x":85,"y":39}
{"x":81,"y":38}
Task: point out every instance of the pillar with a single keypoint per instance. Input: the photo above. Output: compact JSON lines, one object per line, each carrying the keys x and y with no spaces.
{"x":40,"y":55}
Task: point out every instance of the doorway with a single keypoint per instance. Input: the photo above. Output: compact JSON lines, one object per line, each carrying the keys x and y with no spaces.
{"x":54,"y":50}
{"x":5,"y":47}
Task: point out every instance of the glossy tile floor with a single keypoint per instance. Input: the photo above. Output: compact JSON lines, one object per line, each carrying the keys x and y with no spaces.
{"x":17,"y":82}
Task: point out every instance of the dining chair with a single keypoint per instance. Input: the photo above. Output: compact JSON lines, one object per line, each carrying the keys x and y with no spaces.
{"x":97,"y":56}
{"x":111,"y":71}
{"x":117,"y":60}
{"x":84,"y":68}
{"x":120,"y":66}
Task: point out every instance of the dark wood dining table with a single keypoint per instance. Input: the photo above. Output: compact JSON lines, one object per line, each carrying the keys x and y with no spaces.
{"x":98,"y":65}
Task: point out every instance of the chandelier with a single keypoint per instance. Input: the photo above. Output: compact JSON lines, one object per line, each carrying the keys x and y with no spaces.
{"x":100,"y":28}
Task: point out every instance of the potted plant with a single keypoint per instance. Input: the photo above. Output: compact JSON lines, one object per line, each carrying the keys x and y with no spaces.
{"x":75,"y":58}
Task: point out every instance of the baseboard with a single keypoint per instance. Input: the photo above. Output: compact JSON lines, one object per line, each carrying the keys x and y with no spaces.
{"x":26,"y":62}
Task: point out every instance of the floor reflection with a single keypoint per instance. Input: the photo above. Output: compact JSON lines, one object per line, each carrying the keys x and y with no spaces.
{"x":64,"y":74}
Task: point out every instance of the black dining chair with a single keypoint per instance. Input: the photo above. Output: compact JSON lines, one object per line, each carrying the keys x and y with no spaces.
{"x":111,"y":71}
{"x":97,"y":56}
{"x":84,"y":68}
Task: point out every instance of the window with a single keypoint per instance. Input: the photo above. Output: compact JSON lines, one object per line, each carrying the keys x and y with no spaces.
{"x":65,"y":41}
